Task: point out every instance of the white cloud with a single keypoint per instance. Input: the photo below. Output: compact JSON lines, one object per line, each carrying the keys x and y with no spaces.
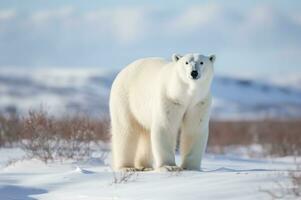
{"x":127,"y":24}
{"x":45,"y":16}
{"x":71,"y":32}
{"x":259,"y":18}
{"x":134,"y":24}
{"x":195,"y":17}
{"x":7,"y":15}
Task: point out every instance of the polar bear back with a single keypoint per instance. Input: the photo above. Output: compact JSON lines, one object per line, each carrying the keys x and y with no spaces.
{"x":137,"y":84}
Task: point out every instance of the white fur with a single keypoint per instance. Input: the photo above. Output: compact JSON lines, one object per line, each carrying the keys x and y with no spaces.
{"x":151,"y":101}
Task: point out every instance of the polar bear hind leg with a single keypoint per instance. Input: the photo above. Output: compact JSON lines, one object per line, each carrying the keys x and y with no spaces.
{"x":124,"y":139}
{"x":144,"y":158}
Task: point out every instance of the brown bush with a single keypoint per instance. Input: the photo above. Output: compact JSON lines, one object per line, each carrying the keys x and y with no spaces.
{"x":289,"y":190}
{"x":225,"y":133}
{"x":124,"y":177}
{"x":277,"y":137}
{"x":47,"y":137}
{"x":10,"y":128}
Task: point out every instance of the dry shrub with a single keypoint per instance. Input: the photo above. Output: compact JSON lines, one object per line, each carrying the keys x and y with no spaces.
{"x":225,"y":133}
{"x":73,"y":136}
{"x":296,"y":182}
{"x":40,"y":134}
{"x":277,"y":137}
{"x":48,"y":138}
{"x":288,"y":190}
{"x":124,"y":177}
{"x":10,"y":127}
{"x":281,"y":138}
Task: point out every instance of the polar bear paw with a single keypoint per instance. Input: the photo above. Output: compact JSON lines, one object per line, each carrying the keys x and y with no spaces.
{"x":168,"y":168}
{"x":145,"y":169}
{"x":133,"y":169}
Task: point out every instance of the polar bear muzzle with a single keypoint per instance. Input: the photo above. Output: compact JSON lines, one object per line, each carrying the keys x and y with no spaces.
{"x":194,"y":74}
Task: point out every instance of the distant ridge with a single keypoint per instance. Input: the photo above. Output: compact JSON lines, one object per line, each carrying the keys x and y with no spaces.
{"x":69,"y":91}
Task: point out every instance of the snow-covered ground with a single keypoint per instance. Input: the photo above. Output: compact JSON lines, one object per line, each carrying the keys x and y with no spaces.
{"x":223,"y":177}
{"x":232,"y":176}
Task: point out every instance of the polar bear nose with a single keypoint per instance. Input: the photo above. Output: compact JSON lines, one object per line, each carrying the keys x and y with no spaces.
{"x":194,"y":74}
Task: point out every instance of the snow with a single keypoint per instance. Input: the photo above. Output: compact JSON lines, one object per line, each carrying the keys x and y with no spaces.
{"x":290,"y":80}
{"x":250,"y":99}
{"x":223,"y":177}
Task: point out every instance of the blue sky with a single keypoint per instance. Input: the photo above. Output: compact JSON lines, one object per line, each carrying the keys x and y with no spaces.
{"x":248,"y":37}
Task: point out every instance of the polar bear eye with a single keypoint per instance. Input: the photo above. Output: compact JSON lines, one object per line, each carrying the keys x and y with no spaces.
{"x":201,"y":63}
{"x":186,"y":63}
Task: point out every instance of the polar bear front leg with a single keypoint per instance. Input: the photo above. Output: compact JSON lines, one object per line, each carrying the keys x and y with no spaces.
{"x":194,"y":136}
{"x":164,"y":132}
{"x":193,"y":147}
{"x":163,"y":147}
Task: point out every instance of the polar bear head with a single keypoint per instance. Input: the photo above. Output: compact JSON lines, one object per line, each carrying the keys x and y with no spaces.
{"x":194,"y":67}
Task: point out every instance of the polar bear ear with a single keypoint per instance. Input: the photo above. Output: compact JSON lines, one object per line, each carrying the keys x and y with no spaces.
{"x":212,"y":58}
{"x":176,"y":57}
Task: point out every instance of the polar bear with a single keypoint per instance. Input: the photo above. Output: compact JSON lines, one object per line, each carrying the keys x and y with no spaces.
{"x":151,"y":101}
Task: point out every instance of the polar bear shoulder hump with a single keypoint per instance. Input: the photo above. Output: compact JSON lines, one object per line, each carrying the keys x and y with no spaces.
{"x":150,"y":60}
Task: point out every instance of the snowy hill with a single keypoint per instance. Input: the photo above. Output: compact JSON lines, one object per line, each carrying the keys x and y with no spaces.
{"x":243,"y":98}
{"x":68,"y":91}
